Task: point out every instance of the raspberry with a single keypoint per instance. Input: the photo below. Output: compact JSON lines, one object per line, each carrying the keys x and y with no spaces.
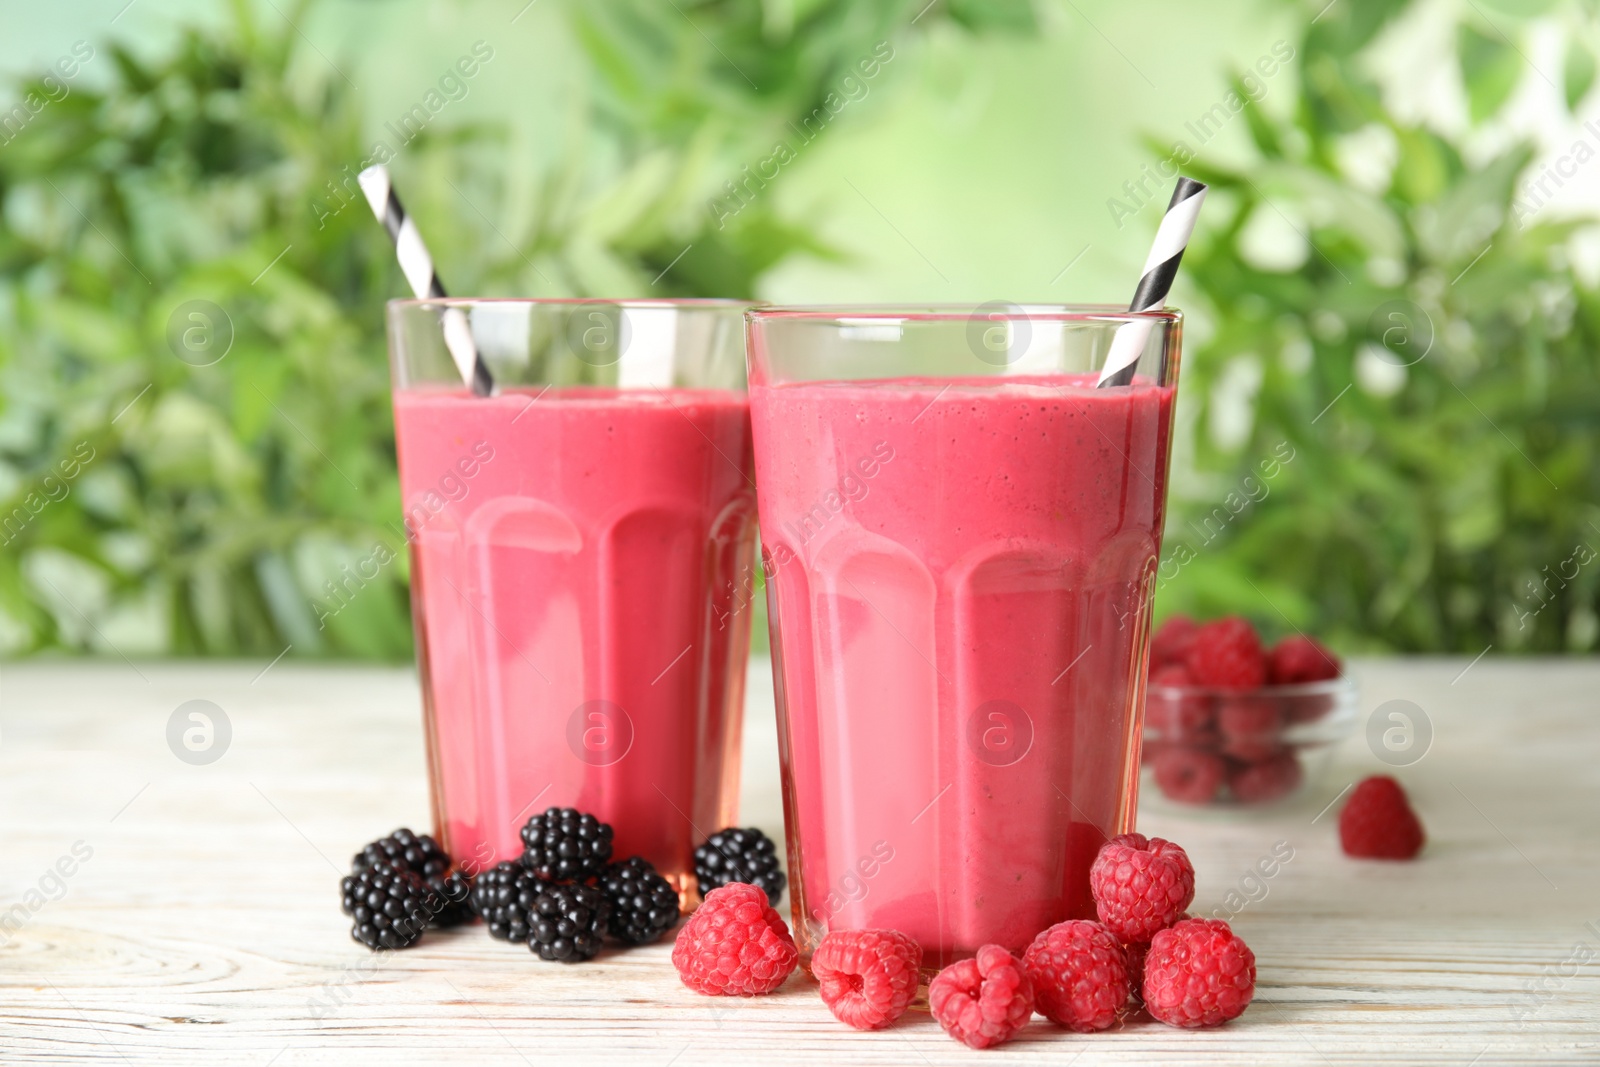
{"x":1189,"y":775}
{"x":1300,"y":659}
{"x":1079,"y":973}
{"x":1250,"y":727}
{"x":1227,"y":654}
{"x":1267,"y":780}
{"x":1248,"y":750}
{"x":1249,"y":716}
{"x":982,"y":1002}
{"x":1170,"y":676}
{"x":1140,"y":885}
{"x":1198,"y":973}
{"x":1173,"y":712}
{"x":1172,"y":640}
{"x":735,"y":945}
{"x":1377,"y":822}
{"x":868,"y":977}
{"x":1134,"y":953}
{"x":1308,"y":707}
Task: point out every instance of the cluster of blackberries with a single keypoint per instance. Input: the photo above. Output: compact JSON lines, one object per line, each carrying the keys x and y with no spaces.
{"x":561,"y":897}
{"x":400,"y":885}
{"x":563,"y":921}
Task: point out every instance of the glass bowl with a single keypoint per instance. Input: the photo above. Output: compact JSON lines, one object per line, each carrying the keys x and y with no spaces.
{"x":1206,"y":747}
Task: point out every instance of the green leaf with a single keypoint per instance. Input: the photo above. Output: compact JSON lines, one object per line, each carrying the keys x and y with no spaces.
{"x":1345,"y":26}
{"x":1423,"y":169}
{"x":1490,"y":67}
{"x":1464,"y":215}
{"x":607,"y":54}
{"x":1577,"y":72}
{"x":1012,"y":16}
{"x":1525,"y":9}
{"x":1262,"y":130}
{"x":1339,"y":96}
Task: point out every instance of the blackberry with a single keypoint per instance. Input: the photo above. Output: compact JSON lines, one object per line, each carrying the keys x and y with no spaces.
{"x":643,"y":904}
{"x":389,"y":904}
{"x":421,"y":854}
{"x":449,"y":899}
{"x":566,"y":845}
{"x":503,"y":896}
{"x":739,"y":855}
{"x":567,"y":922}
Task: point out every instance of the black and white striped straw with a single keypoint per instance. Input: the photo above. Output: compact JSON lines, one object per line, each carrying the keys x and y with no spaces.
{"x":1159,"y":269}
{"x":417,"y":265}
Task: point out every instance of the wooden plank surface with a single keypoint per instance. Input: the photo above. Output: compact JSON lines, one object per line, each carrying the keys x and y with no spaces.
{"x":203,"y":925}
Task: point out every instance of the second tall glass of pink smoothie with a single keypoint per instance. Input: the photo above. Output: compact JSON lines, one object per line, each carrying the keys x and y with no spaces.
{"x":578,"y":542}
{"x":959,"y":533}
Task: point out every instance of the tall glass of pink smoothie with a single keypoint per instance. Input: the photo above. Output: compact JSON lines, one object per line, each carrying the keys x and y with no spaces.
{"x":577,"y":541}
{"x":959,"y":533}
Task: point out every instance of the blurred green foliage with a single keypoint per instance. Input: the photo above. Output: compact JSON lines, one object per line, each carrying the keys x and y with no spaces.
{"x":1430,"y":367}
{"x":1428,"y":361}
{"x":196,"y":446}
{"x":699,"y":97}
{"x":220,"y":498}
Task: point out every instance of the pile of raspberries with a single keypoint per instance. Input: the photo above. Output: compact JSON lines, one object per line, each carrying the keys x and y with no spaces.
{"x":1216,"y":717}
{"x":1080,"y":974}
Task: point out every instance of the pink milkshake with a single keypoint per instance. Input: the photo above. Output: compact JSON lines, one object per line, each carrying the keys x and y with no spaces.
{"x":958,"y":574}
{"x":577,"y":555}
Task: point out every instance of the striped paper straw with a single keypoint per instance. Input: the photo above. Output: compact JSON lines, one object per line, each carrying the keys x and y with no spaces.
{"x":1160,"y":267}
{"x":417,"y":265}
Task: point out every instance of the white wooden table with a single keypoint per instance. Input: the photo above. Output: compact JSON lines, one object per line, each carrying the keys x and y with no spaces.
{"x":204,"y":926}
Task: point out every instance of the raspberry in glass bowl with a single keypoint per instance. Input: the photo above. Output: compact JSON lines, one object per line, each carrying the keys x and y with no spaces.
{"x":1230,"y":722}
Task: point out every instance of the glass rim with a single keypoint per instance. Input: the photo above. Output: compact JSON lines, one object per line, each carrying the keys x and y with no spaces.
{"x":1343,"y":683}
{"x":690,"y":302}
{"x":855,"y":314}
